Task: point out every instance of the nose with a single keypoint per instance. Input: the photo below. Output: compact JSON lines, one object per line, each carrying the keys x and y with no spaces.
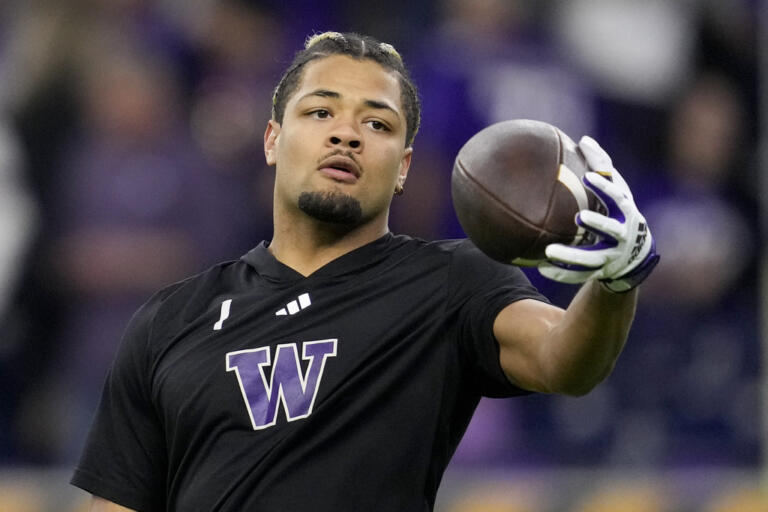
{"x":344,"y":135}
{"x":352,"y":143}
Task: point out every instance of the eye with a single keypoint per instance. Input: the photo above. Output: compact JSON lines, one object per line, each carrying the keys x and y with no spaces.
{"x":320,"y":113}
{"x":378,"y":126}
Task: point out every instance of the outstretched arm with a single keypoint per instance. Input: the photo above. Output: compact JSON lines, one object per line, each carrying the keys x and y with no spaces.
{"x":547,"y":349}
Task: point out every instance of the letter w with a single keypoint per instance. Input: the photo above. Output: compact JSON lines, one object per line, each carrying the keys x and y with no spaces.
{"x":287,"y":384}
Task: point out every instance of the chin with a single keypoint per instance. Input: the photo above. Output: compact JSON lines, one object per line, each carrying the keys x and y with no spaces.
{"x":332,"y":206}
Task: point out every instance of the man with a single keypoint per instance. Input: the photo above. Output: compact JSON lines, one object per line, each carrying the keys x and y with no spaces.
{"x":337,"y":366}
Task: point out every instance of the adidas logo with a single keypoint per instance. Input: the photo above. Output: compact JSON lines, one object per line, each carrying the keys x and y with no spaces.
{"x":295,"y":306}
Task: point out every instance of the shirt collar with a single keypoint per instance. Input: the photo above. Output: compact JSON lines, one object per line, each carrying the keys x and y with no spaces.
{"x":264,"y":262}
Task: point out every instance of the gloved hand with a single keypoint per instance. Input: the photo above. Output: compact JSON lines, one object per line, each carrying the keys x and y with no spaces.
{"x":624,"y":253}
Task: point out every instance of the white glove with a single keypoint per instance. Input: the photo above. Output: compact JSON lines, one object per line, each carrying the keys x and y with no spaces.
{"x":624,"y":253}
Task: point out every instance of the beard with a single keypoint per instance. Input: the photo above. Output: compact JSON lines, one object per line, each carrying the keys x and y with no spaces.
{"x":332,"y":207}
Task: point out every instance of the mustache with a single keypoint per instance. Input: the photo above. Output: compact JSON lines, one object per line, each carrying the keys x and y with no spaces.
{"x":341,"y":152}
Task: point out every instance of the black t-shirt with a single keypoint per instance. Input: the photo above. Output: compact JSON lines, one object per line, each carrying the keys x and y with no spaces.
{"x":252,"y":388}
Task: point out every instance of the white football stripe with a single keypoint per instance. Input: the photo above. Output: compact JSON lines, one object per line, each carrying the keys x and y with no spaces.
{"x":304,"y":300}
{"x":281,"y":312}
{"x":572,"y":182}
{"x":293,"y":307}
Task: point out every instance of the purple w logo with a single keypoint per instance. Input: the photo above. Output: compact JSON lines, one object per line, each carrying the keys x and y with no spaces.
{"x":287,"y":384}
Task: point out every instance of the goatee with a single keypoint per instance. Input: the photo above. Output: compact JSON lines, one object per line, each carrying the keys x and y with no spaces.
{"x":333,"y":207}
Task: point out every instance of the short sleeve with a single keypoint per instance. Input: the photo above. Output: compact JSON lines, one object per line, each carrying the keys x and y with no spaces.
{"x":479,"y":289}
{"x":124,"y":458}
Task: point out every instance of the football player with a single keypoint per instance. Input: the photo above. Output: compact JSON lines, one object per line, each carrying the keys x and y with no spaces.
{"x":336,"y":366}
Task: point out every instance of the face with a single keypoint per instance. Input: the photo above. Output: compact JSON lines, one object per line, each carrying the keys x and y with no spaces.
{"x":341,"y":142}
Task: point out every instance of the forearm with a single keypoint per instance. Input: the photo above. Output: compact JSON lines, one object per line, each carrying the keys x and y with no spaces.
{"x":571,"y":351}
{"x":583,"y":347}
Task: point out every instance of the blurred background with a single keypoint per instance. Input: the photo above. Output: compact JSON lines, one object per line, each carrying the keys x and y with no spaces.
{"x":131,"y":156}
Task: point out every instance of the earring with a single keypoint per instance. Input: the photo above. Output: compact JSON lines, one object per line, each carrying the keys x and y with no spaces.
{"x":399,"y":189}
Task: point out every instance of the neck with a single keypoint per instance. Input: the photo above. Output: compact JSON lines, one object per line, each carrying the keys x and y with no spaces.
{"x":306,"y":244}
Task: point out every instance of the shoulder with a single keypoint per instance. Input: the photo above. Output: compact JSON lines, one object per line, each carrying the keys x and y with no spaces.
{"x":473,"y":272}
{"x":464,"y":255}
{"x":464,"y":267}
{"x":418,"y":255}
{"x":452,"y":247}
{"x":461,"y":254}
{"x":421,"y":247}
{"x":183,"y":301}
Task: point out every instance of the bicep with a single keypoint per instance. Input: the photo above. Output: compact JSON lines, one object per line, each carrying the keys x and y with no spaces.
{"x":101,"y":505}
{"x":522,"y":329}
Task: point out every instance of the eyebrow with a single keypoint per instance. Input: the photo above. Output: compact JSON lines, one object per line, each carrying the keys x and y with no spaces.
{"x":325,"y":93}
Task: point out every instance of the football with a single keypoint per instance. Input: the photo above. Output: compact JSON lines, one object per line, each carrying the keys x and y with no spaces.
{"x":516,"y":188}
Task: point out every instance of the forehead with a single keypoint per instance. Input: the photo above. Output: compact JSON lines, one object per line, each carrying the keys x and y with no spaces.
{"x":355,"y":78}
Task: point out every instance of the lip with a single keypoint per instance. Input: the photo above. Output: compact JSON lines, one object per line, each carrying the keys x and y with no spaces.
{"x":340,"y":168}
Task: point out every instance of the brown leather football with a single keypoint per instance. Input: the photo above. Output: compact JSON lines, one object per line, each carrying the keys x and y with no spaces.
{"x":517,"y":187}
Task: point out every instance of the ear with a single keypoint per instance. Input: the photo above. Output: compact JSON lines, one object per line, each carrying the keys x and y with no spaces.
{"x":271,"y":140}
{"x":405,"y":164}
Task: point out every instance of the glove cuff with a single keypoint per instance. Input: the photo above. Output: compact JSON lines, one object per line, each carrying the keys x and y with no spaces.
{"x":636,"y":276}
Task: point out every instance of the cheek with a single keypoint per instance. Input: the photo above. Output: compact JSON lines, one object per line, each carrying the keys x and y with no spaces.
{"x":386,"y":175}
{"x":390,"y":159}
{"x":394,"y":158}
{"x":290,"y":155}
{"x":285,"y":149}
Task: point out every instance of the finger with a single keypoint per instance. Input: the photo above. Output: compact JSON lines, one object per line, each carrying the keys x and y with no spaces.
{"x":600,"y":162}
{"x":602,"y":225}
{"x":599,"y":183}
{"x":618,"y":179}
{"x":597,"y":159}
{"x":562,"y":275}
{"x":571,"y":266}
{"x":583,"y":256}
{"x":609,"y":193}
